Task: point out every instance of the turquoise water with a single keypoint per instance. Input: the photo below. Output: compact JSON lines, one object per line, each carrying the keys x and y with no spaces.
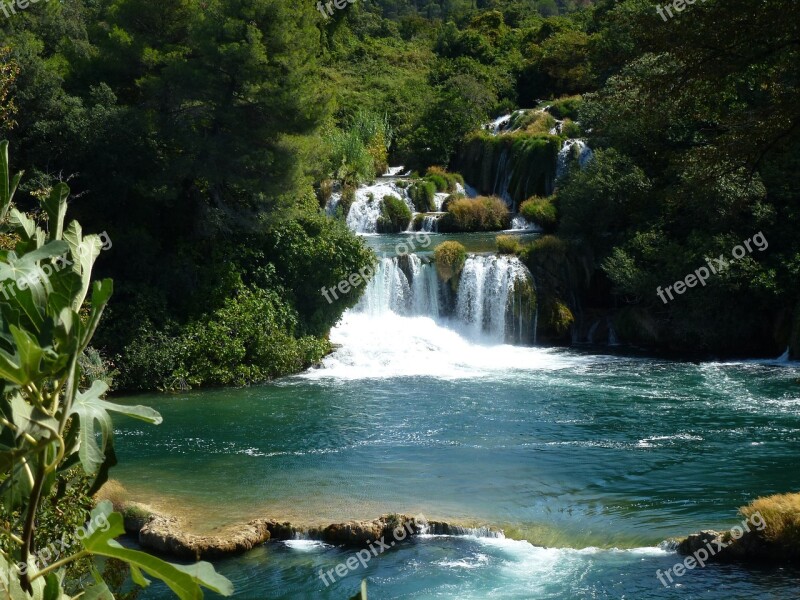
{"x":587,"y":463}
{"x":599,"y":458}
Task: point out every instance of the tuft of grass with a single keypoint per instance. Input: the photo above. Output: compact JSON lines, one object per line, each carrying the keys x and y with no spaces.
{"x":781,"y":518}
{"x":475,"y":214}
{"x":508,"y":244}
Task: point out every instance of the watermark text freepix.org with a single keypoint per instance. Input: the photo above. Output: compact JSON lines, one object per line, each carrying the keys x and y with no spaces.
{"x":8,"y":9}
{"x":701,"y":556}
{"x":715,"y":266}
{"x":326,"y":8}
{"x":53,"y":551}
{"x":376,"y":548}
{"x":43,"y":273}
{"x":355,"y":280}
{"x":678,"y":5}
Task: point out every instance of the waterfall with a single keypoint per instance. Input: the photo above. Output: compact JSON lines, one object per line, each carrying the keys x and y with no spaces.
{"x":366,"y":207}
{"x":430,"y":223}
{"x":612,"y":335}
{"x":486,"y":303}
{"x":494,"y":300}
{"x":573,"y":149}
{"x":592,"y":330}
{"x":520,"y":223}
{"x":503,"y":177}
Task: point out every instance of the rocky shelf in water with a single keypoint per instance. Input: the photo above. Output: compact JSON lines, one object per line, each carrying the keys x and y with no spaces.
{"x":165,"y":534}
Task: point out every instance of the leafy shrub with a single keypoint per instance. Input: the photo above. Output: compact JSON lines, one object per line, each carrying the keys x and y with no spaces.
{"x":540,"y":211}
{"x":449,"y":258}
{"x":508,"y":244}
{"x":395,"y":215}
{"x":445,"y":182}
{"x":423,"y":195}
{"x":571,"y":129}
{"x":566,"y":108}
{"x":360,"y":151}
{"x":439,"y":181}
{"x":307,"y":253}
{"x":250,"y":339}
{"x":94,"y":367}
{"x":479,"y":214}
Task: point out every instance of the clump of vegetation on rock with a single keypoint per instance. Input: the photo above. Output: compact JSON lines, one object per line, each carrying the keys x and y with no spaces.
{"x":422,"y":194}
{"x":478,"y":214}
{"x":781,"y":514}
{"x":450,"y":258}
{"x":395,"y":215}
{"x":540,"y":211}
{"x":508,"y":244}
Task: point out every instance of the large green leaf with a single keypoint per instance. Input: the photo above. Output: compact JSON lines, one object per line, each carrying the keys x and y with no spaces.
{"x":91,"y":410}
{"x":85,"y":251}
{"x":101,"y":293}
{"x":185,"y":581}
{"x":56,"y":207}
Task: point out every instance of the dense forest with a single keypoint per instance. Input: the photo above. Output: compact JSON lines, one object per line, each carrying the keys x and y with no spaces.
{"x":205,"y":137}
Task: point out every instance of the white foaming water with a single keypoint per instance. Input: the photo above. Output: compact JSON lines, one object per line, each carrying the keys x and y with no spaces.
{"x":399,"y":328}
{"x":484,"y":291}
{"x":366,"y":207}
{"x":303,"y":545}
{"x":584,"y":155}
{"x":520,"y":223}
{"x":388,"y":346}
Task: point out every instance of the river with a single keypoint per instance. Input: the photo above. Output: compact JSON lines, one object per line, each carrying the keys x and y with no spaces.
{"x":587,"y":462}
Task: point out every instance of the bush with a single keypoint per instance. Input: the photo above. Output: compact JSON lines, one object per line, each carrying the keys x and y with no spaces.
{"x":423,"y":195}
{"x":250,"y":339}
{"x":449,"y":258}
{"x":781,"y":513}
{"x":540,"y":211}
{"x":571,"y":129}
{"x":449,"y":200}
{"x":566,"y":108}
{"x":479,"y":214}
{"x":395,"y":215}
{"x":436,"y":174}
{"x":508,"y":244}
{"x":439,"y":181}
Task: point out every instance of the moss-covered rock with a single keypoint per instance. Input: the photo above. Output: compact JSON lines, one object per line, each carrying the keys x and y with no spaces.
{"x":529,"y":162}
{"x":423,"y":195}
{"x":769,"y":533}
{"x":395,"y":215}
